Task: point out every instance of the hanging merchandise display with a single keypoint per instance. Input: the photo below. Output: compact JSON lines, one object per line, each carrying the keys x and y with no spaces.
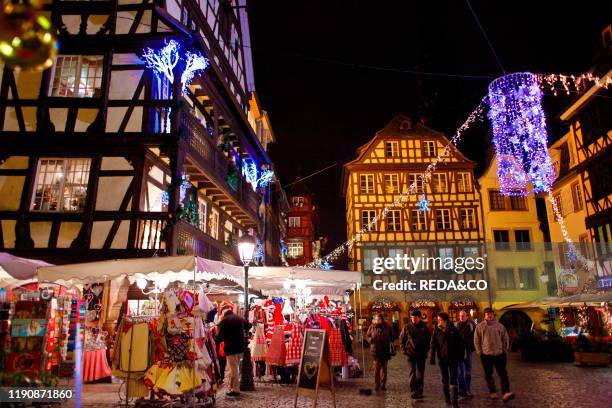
{"x":26,"y":40}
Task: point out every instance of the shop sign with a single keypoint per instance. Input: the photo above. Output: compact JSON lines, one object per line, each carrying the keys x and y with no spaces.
{"x":568,"y":280}
{"x":315,"y":371}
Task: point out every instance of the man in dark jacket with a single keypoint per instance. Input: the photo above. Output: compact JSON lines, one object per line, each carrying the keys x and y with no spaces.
{"x":380,"y":337}
{"x":414,"y":341}
{"x":232,"y":332}
{"x":447,"y":344}
{"x":465,"y":327}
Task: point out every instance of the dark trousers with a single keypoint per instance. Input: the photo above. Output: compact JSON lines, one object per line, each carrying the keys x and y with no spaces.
{"x":499,"y":363}
{"x":416,"y":374}
{"x":449,"y":373}
{"x":380,"y":372}
{"x":464,"y":374}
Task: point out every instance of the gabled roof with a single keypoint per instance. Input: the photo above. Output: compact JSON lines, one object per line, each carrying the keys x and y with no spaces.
{"x":401,"y":126}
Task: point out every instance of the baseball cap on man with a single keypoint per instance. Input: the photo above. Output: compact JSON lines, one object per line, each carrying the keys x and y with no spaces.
{"x":415,"y":313}
{"x":488,"y":310}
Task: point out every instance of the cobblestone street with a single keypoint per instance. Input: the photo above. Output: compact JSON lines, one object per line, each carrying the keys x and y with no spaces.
{"x":536,"y":385}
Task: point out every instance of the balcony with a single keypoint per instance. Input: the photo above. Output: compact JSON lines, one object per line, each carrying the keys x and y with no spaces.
{"x":208,"y":167}
{"x":192,"y":241}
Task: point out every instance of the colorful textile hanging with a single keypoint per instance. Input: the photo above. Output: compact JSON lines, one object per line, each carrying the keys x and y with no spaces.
{"x":259,"y":346}
{"x":337,"y":353}
{"x":277,"y":350}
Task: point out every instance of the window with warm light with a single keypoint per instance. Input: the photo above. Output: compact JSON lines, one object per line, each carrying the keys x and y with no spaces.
{"x":297,"y":201}
{"x":577,"y":196}
{"x":295,"y":249}
{"x":294,"y":222}
{"x":443,"y":219}
{"x":392,"y":149}
{"x":439,"y":183}
{"x":418,"y":220}
{"x":464,"y":182}
{"x":77,"y":76}
{"x":61,"y":185}
{"x":468,"y":221}
{"x":394,"y":220}
{"x":202,"y":214}
{"x":366,"y":217}
{"x":392,"y":183}
{"x":213,"y":223}
{"x":366,"y":183}
{"x":418,"y":183}
{"x":429,"y":148}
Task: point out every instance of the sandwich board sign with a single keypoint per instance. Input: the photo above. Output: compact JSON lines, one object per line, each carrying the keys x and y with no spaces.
{"x":315,"y":371}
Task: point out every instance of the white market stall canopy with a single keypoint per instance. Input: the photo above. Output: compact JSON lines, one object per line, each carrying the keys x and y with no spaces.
{"x":267,"y":279}
{"x":16,"y":271}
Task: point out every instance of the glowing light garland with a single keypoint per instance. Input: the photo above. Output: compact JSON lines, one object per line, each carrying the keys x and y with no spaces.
{"x":519,"y":134}
{"x":255,"y":177}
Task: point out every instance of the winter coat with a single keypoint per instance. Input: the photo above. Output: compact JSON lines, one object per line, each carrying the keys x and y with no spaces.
{"x":414,"y":340}
{"x":380,"y":338}
{"x":491,"y":338}
{"x":447,"y":344}
{"x":466,"y":331}
{"x":231,"y":332}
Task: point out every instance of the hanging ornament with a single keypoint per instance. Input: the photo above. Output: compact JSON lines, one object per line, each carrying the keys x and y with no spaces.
{"x":26,"y":38}
{"x":423,"y":203}
{"x":519,"y":134}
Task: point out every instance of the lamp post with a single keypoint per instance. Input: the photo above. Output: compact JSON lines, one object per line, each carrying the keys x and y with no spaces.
{"x":246,"y":249}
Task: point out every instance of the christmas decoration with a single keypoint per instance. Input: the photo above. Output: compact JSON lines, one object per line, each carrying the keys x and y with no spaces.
{"x":519,"y":134}
{"x":193,"y":64}
{"x":255,"y":177}
{"x":325,"y":266}
{"x":164,"y":61}
{"x":26,"y":38}
{"x":423,"y":204}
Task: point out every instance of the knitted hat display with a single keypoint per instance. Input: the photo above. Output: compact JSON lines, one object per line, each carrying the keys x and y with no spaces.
{"x":294,"y":348}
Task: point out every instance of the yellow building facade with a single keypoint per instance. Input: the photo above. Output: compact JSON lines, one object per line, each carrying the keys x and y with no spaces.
{"x":519,"y":262}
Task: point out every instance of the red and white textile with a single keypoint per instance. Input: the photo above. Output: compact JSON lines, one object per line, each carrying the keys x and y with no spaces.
{"x":277,"y":351}
{"x":337,"y":353}
{"x":259,"y":346}
{"x":294,"y":348}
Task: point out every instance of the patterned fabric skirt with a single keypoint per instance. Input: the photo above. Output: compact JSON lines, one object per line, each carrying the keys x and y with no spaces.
{"x":337,"y":353}
{"x":277,"y":350}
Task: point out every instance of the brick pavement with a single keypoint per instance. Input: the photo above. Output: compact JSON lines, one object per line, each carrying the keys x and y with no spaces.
{"x":555,"y":385}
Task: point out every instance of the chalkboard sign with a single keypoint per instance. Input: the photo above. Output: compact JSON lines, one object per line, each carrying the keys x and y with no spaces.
{"x":315,"y":370}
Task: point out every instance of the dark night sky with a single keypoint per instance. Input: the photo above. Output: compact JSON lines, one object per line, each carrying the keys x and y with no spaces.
{"x":309,"y":59}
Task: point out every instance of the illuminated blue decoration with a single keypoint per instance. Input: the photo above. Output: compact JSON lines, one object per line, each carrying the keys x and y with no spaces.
{"x":185,"y":184}
{"x":165,"y":198}
{"x":423,"y":203}
{"x":249,"y":171}
{"x":326,"y":266}
{"x":164,"y":61}
{"x":255,"y":177}
{"x":283,"y":248}
{"x":259,"y":252}
{"x":571,"y":254}
{"x":265,"y":178}
{"x":519,"y":134}
{"x":193,"y":64}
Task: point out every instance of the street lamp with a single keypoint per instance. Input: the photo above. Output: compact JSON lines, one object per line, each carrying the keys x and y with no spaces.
{"x":246,"y":250}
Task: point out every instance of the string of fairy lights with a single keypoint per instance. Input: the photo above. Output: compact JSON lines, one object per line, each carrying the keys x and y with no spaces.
{"x":524,"y":117}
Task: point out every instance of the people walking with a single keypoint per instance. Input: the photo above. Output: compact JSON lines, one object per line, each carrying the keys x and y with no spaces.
{"x":446,"y":343}
{"x":231,"y":333}
{"x":415,"y":341}
{"x":465,"y":327}
{"x":380,"y":338}
{"x":492,"y":344}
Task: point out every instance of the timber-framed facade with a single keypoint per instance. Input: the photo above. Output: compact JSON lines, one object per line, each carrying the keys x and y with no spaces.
{"x":101,"y":158}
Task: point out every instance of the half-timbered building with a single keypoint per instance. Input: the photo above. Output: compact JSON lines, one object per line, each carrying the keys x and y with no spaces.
{"x":302,"y":225}
{"x":385,"y":167}
{"x":582,"y":159}
{"x":103,"y":157}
